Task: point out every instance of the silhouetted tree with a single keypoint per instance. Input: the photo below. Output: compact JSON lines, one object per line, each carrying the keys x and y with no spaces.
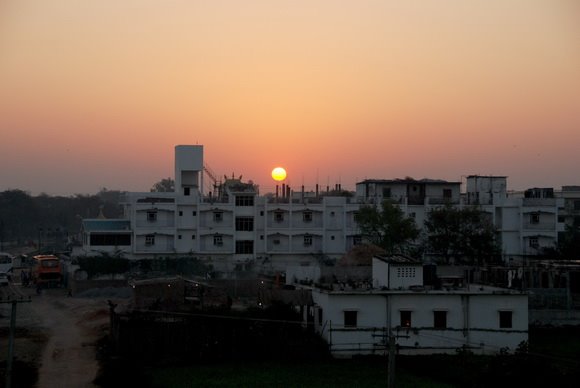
{"x":387,"y":227}
{"x":466,"y":235}
{"x":50,"y":219}
{"x":164,"y":186}
{"x":568,"y":245}
{"x":19,"y":214}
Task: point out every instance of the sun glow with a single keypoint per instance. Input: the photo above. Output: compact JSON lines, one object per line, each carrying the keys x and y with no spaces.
{"x":279,"y":174}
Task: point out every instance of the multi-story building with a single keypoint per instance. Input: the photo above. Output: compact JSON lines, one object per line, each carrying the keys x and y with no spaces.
{"x":526,"y":222}
{"x":414,"y":197}
{"x":233,"y":223}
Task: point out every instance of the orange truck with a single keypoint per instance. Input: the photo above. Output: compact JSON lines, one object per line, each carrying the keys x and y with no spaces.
{"x":47,"y":270}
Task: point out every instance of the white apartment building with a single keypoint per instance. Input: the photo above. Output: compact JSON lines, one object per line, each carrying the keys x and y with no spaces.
{"x":423,"y":320}
{"x":526,"y":221}
{"x":233,"y":223}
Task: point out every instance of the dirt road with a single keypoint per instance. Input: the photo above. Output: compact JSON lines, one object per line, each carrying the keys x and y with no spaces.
{"x":72,"y":327}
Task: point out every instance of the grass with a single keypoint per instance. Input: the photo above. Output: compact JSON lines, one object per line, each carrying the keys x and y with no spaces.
{"x":552,"y":361}
{"x":346,"y":373}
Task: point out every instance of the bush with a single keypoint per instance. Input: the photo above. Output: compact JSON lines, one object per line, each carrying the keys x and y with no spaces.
{"x":103,"y":265}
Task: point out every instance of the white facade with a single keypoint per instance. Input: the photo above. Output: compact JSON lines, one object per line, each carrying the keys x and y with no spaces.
{"x":527,"y":222}
{"x":483,"y":320}
{"x":396,"y":274}
{"x":234,"y":223}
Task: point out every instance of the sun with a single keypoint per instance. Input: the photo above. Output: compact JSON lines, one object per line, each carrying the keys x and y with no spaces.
{"x":279,"y":174}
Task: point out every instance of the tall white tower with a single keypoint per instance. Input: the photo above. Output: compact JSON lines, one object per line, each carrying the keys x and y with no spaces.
{"x":188,"y":169}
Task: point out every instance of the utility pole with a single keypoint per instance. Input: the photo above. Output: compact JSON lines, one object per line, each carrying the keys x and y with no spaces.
{"x":391,"y":364}
{"x":14,"y":302}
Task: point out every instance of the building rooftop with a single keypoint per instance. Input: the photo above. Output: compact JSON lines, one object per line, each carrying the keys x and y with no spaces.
{"x":472,"y":289}
{"x":92,"y":225}
{"x":408,"y":181}
{"x":398,"y":259}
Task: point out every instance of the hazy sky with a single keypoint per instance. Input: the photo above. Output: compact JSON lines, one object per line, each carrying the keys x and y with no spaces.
{"x":96,"y":93}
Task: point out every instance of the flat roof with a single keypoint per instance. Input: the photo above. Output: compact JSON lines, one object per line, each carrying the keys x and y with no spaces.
{"x":473,"y":289}
{"x":397,"y":259}
{"x":97,"y":224}
{"x":410,"y":181}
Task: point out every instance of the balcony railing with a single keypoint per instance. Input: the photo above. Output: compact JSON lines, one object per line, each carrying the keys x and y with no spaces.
{"x":539,"y":201}
{"x":540,"y":226}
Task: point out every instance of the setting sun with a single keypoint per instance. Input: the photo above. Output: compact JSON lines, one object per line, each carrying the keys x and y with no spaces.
{"x":279,"y":174}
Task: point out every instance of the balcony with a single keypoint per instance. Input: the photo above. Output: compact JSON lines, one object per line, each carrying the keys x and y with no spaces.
{"x":551,"y":226}
{"x":539,"y":202}
{"x":442,"y":201}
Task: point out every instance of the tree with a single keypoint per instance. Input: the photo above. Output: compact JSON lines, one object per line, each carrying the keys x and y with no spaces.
{"x":165,"y":185}
{"x":464,"y":235}
{"x":387,"y":227}
{"x":568,"y":245}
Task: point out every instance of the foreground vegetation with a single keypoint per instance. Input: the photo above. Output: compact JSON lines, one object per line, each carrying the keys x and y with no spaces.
{"x":552,"y":359}
{"x":345,"y":373}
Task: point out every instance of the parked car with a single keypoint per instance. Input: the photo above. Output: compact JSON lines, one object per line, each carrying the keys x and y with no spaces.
{"x":4,"y":279}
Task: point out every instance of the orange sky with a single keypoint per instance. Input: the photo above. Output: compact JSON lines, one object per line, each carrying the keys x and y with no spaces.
{"x":96,"y":93}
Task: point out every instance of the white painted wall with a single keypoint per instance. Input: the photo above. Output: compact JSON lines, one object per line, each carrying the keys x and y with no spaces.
{"x":472,"y":319}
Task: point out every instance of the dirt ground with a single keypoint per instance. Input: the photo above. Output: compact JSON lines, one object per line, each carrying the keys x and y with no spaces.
{"x":57,"y":334}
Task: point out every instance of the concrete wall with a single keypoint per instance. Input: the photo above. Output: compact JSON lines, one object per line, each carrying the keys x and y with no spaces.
{"x":472,"y":320}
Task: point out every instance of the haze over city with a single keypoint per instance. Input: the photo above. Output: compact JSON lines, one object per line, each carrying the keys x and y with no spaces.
{"x":97,"y":94}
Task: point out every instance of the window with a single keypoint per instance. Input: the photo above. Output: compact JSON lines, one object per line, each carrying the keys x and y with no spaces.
{"x":180,"y":213}
{"x":179,"y":237}
{"x":332,"y":214}
{"x":152,"y":215}
{"x":244,"y":246}
{"x":535,"y":218}
{"x":150,"y":239}
{"x":387,"y":192}
{"x":440,"y":319}
{"x":332,"y":237}
{"x":350,"y":318}
{"x":447,"y":193}
{"x":320,"y":315}
{"x":244,"y":200}
{"x":261,"y":237}
{"x":186,"y":190}
{"x":278,"y":216}
{"x":505,"y":319}
{"x":261,"y":213}
{"x":244,"y":223}
{"x":218,"y":240}
{"x":406,"y":272}
{"x":194,"y":213}
{"x":561,"y":219}
{"x":193,"y":236}
{"x":577,"y":205}
{"x":307,"y":216}
{"x":356,"y":240}
{"x":276,"y":242}
{"x":307,"y":240}
{"x":405,"y":318}
{"x":218,"y":216}
{"x":533,"y":242}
